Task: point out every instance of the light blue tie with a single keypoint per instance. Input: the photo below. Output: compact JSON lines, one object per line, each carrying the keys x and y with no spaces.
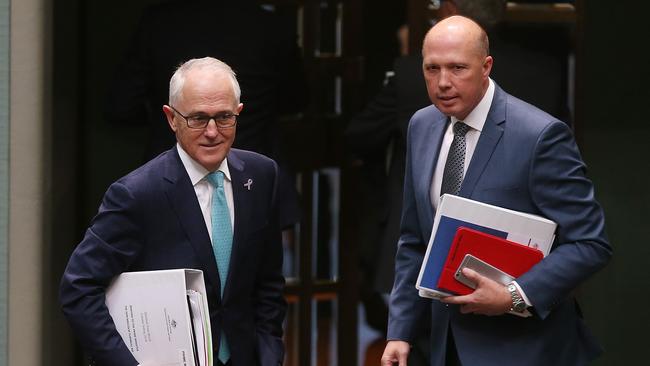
{"x":221,"y":242}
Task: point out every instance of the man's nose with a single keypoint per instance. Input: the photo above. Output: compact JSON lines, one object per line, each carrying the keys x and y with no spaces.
{"x":444,"y":79}
{"x":211,"y":128}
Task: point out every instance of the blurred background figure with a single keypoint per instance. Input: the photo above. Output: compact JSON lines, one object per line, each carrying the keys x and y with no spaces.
{"x":259,"y":45}
{"x":377,"y":136}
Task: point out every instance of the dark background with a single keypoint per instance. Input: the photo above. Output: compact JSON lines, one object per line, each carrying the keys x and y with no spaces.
{"x":614,"y":137}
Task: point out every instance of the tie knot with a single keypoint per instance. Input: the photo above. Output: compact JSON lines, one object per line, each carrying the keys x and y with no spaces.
{"x":460,"y":128}
{"x":216,"y":178}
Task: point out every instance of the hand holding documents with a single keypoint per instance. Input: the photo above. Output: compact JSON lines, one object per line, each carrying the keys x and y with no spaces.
{"x":163,"y":316}
{"x":455,"y":212}
{"x":500,"y":255}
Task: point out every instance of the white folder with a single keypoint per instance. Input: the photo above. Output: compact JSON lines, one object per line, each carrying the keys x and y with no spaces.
{"x":523,"y":228}
{"x":163,"y":316}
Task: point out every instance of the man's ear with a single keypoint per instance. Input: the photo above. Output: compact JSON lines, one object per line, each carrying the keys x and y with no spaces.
{"x":240,"y":107}
{"x":169,"y":113}
{"x":487,"y":66}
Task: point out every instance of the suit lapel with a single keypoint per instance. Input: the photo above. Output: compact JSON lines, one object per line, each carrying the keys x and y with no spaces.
{"x":428,"y":153}
{"x":183,"y":200}
{"x":487,"y":142}
{"x":242,"y":209}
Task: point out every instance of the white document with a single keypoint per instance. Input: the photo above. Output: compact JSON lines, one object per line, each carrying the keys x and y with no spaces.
{"x":453,"y":212}
{"x":157,"y":312}
{"x":202,"y":339}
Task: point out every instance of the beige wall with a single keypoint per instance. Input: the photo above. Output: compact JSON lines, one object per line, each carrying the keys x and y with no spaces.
{"x":26,"y":172}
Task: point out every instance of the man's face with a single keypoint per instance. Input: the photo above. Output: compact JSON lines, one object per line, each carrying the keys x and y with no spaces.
{"x":204,"y":93}
{"x":456,"y":71}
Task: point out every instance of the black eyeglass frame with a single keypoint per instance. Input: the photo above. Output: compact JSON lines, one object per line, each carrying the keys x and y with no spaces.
{"x":219,"y":120}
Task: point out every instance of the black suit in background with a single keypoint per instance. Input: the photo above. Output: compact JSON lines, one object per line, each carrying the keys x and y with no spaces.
{"x":378,"y":136}
{"x":259,"y":46}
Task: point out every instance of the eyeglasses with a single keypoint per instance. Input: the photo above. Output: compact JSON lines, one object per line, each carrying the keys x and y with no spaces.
{"x":223,"y":120}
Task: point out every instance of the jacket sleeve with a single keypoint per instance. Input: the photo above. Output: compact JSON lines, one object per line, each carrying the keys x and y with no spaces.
{"x":107,"y":249}
{"x":562,"y":193}
{"x":407,"y":308}
{"x":369,"y":132}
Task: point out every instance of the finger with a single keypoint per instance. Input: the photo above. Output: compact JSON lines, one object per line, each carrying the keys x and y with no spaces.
{"x":472,"y":275}
{"x":458,"y":300}
{"x":387,"y":361}
{"x":466,"y":309}
{"x":402,"y":358}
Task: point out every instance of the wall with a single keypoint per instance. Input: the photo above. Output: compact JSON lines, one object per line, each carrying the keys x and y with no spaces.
{"x":28,"y":108}
{"x":615,"y":147}
{"x":4,"y":175}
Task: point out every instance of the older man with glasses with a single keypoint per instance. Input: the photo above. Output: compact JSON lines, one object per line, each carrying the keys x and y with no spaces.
{"x":199,"y":205}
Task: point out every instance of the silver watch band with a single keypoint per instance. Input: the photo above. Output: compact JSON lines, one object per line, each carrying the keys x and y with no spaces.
{"x":518,"y":303}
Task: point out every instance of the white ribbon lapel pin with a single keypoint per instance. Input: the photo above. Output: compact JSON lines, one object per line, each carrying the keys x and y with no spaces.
{"x":248,"y":184}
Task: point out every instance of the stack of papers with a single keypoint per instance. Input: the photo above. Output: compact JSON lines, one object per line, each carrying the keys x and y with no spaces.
{"x":201,"y":336}
{"x":163,"y":316}
{"x":455,"y":212}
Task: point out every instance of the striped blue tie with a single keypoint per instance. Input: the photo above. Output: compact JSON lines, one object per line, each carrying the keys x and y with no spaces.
{"x":221,"y":242}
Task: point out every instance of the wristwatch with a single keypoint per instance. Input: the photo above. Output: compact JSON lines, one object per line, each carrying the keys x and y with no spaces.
{"x":518,"y":303}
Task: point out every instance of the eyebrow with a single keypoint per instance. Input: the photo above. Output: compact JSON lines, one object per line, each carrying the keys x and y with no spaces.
{"x":202,"y":113}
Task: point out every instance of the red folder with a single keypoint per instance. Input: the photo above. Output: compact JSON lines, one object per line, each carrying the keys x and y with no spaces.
{"x":510,"y":257}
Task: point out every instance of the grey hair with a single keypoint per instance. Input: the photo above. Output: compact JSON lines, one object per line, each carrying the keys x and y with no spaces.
{"x":487,"y":13}
{"x":177,"y":81}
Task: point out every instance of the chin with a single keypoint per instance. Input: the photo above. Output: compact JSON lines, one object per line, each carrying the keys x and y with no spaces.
{"x":455,"y":112}
{"x":211,"y":162}
{"x":446,"y":111}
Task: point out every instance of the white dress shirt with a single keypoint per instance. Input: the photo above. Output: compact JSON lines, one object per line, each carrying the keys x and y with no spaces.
{"x":203,"y":188}
{"x":475,"y":119}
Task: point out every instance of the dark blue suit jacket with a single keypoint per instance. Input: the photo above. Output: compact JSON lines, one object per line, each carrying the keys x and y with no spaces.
{"x":151,"y":220}
{"x":525,"y":160}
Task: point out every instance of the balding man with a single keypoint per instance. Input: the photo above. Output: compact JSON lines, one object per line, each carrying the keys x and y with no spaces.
{"x":199,"y":205}
{"x":511,"y":155}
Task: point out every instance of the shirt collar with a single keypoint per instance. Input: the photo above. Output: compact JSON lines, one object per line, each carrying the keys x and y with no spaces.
{"x":195,"y":170}
{"x":476,"y":118}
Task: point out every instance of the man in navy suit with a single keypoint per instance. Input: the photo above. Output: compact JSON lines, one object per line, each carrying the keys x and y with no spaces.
{"x":518,"y":157}
{"x":159,"y":217}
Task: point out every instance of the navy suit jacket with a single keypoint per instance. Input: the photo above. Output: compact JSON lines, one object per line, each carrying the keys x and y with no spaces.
{"x":525,"y":160}
{"x":151,"y":220}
